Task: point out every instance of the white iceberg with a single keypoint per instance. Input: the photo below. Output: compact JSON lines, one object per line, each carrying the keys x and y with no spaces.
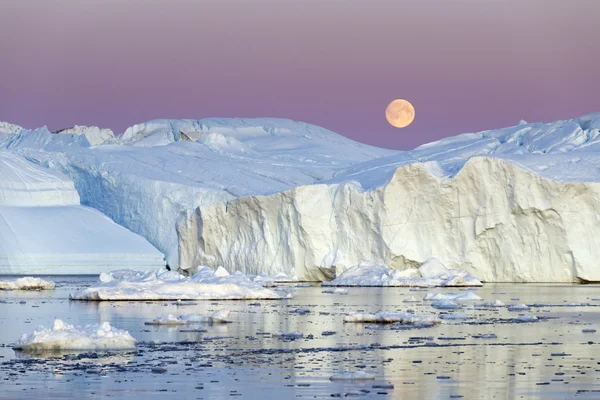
{"x":217,"y":317}
{"x":27,"y":283}
{"x":431,"y":273}
{"x":170,"y":285}
{"x":266,"y":195}
{"x":63,"y":336}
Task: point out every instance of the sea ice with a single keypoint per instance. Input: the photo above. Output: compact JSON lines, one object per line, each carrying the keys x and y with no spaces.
{"x":170,"y":285}
{"x":27,"y":283}
{"x":63,"y":336}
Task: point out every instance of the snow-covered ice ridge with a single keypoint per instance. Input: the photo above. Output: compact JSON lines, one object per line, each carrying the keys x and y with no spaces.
{"x":44,"y":229}
{"x":518,"y":204}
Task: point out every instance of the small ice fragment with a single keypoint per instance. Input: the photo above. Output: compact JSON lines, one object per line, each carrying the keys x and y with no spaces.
{"x":301,"y":311}
{"x":526,"y":318}
{"x":486,"y":336}
{"x":517,"y":307}
{"x":335,"y":291}
{"x":352,"y":376}
{"x":288,"y":335}
{"x":445,"y":305}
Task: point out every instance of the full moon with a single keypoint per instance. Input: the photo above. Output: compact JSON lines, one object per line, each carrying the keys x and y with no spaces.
{"x":400,"y":113}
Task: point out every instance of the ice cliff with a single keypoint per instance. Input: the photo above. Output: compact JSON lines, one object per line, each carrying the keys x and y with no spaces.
{"x":518,"y":204}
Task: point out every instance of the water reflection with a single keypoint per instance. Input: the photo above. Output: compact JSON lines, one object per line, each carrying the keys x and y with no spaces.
{"x":550,"y":358}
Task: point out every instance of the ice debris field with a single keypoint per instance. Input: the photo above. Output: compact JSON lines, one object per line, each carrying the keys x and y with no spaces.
{"x":268,"y":196}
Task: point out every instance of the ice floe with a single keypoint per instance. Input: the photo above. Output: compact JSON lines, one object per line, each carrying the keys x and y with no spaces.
{"x":466,"y":296}
{"x":217,"y":317}
{"x":170,"y":285}
{"x":63,"y":336}
{"x":336,"y":291}
{"x":430,"y":274}
{"x":391,"y":318}
{"x":27,"y":283}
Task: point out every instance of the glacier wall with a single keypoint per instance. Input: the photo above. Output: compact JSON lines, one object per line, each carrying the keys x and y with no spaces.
{"x":495,"y":219}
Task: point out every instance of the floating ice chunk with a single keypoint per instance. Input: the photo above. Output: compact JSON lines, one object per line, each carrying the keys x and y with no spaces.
{"x":432,"y":273}
{"x":390,"y":318}
{"x":445,"y":305}
{"x":411,"y":299}
{"x":517,"y":307}
{"x":170,"y":285}
{"x":353,"y":376}
{"x":301,"y":311}
{"x":63,"y":336}
{"x":27,"y":283}
{"x":466,"y":296}
{"x":489,"y":304}
{"x":455,"y":316}
{"x":288,"y":335}
{"x":486,"y":336}
{"x":218,"y":317}
{"x":336,"y":291}
{"x":526,"y":318}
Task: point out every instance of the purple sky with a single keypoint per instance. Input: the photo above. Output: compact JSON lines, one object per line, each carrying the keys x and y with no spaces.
{"x":466,"y":65}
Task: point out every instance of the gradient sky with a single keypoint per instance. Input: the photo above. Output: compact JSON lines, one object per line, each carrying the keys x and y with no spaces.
{"x":466,"y":65}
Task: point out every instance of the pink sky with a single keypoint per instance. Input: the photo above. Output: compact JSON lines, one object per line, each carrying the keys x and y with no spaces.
{"x":466,"y":65}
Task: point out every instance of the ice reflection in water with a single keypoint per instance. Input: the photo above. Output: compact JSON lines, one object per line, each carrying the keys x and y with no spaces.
{"x":551,"y":358}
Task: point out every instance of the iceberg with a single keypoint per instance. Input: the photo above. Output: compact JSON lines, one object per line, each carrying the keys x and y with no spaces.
{"x":63,"y":336}
{"x":170,"y":285}
{"x":268,"y":196}
{"x":44,"y":229}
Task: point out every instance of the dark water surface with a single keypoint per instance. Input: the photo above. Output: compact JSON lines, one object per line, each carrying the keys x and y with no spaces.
{"x":551,"y":358}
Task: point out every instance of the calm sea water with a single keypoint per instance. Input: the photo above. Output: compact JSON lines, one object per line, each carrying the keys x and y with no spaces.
{"x":551,"y":358}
